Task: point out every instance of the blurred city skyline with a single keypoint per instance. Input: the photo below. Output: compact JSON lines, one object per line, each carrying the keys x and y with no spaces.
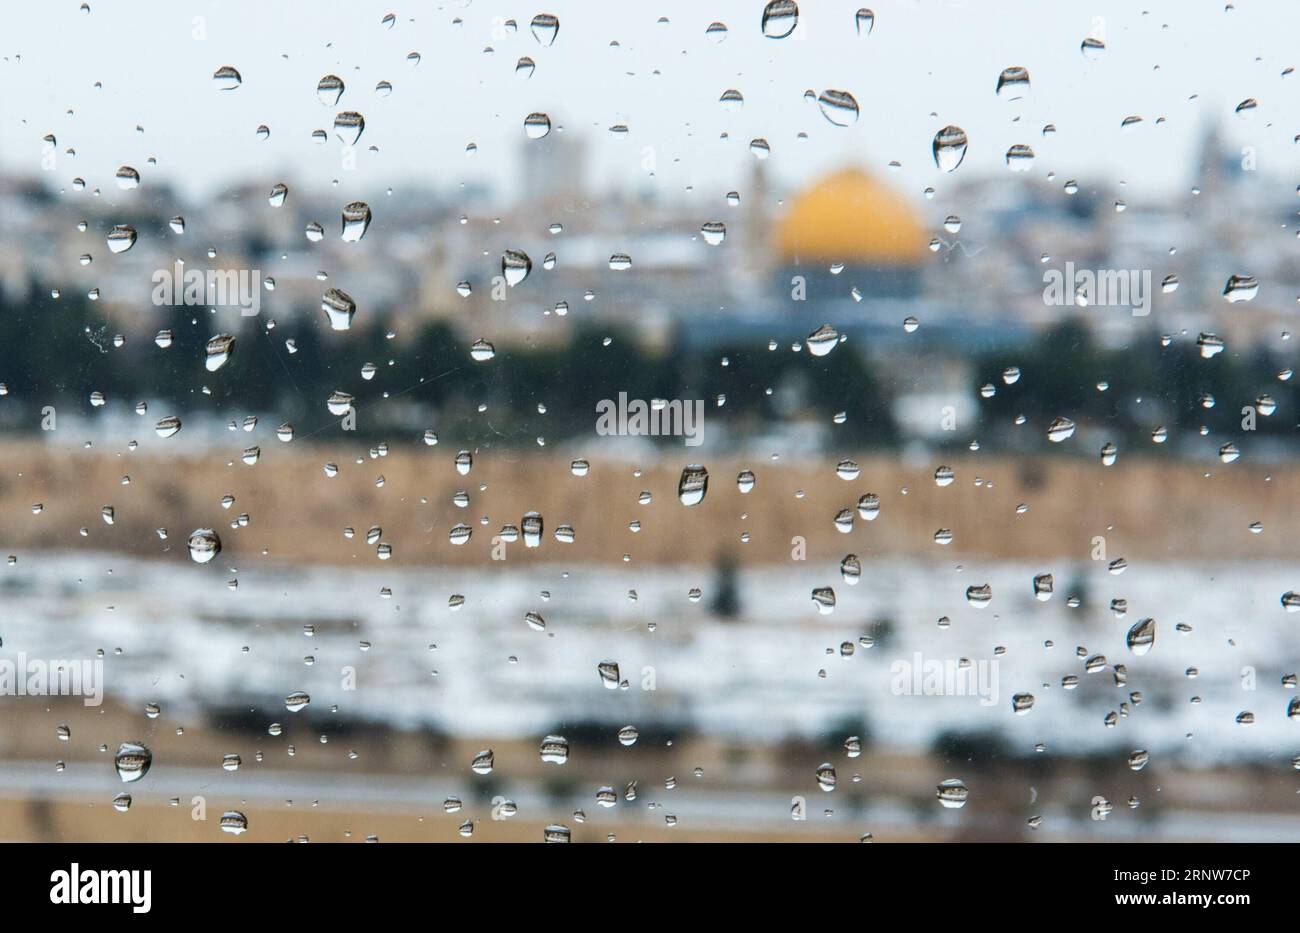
{"x":311,"y":318}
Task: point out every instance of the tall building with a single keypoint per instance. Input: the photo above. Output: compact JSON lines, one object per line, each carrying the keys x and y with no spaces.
{"x":554,"y":170}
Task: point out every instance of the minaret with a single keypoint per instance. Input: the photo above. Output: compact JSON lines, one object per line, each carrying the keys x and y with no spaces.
{"x":1210,"y":162}
{"x":756,"y":232}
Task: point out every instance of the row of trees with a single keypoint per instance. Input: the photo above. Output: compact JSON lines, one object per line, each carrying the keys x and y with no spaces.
{"x":60,"y":351}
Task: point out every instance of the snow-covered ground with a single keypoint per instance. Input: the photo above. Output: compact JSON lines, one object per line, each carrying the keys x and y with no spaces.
{"x":777,"y":670}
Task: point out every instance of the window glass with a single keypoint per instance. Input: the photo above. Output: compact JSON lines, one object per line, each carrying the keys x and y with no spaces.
{"x":708,"y":422}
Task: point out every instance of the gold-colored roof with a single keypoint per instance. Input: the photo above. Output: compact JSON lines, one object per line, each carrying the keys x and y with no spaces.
{"x":851,"y":218}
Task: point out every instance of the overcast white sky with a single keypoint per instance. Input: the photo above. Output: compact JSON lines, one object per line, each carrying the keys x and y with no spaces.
{"x":926,"y":64}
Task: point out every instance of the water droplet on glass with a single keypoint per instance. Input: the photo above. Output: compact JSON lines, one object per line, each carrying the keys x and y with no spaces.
{"x":348,"y":126}
{"x":949,"y":148}
{"x":339,"y":308}
{"x":822,"y":341}
{"x":1240,"y":288}
{"x":953,"y":793}
{"x":339,"y":403}
{"x":234,"y":822}
{"x":121,"y":238}
{"x":1020,"y":158}
{"x":1142,"y":636}
{"x":329,"y":89}
{"x":826,"y":776}
{"x":1061,"y":429}
{"x":839,"y":107}
{"x":780,"y":17}
{"x":227,"y":78}
{"x":823,"y":598}
{"x":459,"y":533}
{"x":555,"y":749}
{"x":731,"y":100}
{"x":167,"y":427}
{"x":532,"y":526}
{"x":979,"y":595}
{"x":515,"y":266}
{"x":132,"y":761}
{"x":217,"y":351}
{"x":1091,"y":48}
{"x":356,"y":221}
{"x":204,"y":545}
{"x":693,"y":485}
{"x":545,"y":27}
{"x":1210,"y":345}
{"x":537,"y":125}
{"x":1013,"y":83}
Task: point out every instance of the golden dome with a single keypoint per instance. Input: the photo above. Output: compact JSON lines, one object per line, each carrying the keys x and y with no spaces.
{"x":848,"y":217}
